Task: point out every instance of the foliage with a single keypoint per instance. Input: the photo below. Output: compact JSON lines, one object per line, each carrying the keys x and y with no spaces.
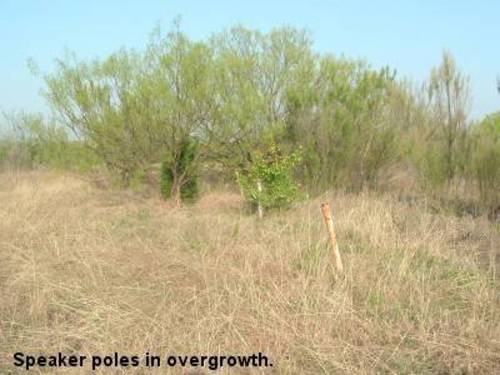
{"x":189,"y":174}
{"x":269,"y":181}
{"x":449,"y":94}
{"x":134,"y":109}
{"x":240,"y":89}
{"x":486,"y":159}
{"x":34,"y":141}
{"x":252,"y":74}
{"x":339,"y":119}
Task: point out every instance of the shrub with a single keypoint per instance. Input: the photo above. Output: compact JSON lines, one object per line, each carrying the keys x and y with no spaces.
{"x":486,"y":159}
{"x":269,"y":180}
{"x":179,"y":177}
{"x":34,"y":140}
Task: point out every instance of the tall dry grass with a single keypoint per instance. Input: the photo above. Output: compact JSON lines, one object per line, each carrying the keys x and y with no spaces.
{"x":90,"y":271}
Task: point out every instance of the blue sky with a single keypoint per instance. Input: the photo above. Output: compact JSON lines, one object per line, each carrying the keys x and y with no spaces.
{"x":407,"y":35}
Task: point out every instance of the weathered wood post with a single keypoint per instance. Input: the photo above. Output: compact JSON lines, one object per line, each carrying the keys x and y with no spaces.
{"x":327,"y":218}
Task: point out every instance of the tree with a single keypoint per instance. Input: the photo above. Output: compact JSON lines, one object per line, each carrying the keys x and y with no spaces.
{"x":134,"y":109}
{"x":252,"y":75}
{"x":337,"y":114}
{"x":99,"y":102}
{"x":179,"y":96}
{"x":36,"y":140}
{"x":449,"y":94}
{"x":269,"y":183}
{"x":486,"y":158}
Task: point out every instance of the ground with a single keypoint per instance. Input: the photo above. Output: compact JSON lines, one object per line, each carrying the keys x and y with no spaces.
{"x":85,"y":270}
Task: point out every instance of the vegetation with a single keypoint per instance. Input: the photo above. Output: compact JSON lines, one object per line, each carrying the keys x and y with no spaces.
{"x":233,"y":93}
{"x":486,"y":159}
{"x":85,"y":270}
{"x":413,"y":181}
{"x":269,"y":181}
{"x":183,"y":169}
{"x":31,"y":141}
{"x":449,"y":95}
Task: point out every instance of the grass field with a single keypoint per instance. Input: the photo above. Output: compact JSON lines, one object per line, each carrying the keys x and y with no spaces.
{"x":86,"y":270}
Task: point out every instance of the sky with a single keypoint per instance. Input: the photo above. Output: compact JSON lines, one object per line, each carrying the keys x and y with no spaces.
{"x":409,"y":36}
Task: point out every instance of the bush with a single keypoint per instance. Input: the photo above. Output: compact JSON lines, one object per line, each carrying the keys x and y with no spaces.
{"x":179,"y":178}
{"x":340,"y":120}
{"x":269,"y":180}
{"x":486,"y":159}
{"x":34,"y":140}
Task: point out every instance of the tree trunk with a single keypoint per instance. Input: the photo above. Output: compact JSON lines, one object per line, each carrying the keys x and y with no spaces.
{"x":176,"y":190}
{"x":451,"y":134}
{"x":260,"y":209}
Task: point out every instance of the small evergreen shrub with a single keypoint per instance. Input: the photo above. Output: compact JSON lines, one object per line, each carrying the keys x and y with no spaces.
{"x":185,"y":166}
{"x":166,"y":180}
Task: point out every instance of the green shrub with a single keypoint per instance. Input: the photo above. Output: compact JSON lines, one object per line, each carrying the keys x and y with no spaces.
{"x":486,"y":159}
{"x":181,"y":176}
{"x":274,"y":172}
{"x":166,"y":180}
{"x":34,"y":140}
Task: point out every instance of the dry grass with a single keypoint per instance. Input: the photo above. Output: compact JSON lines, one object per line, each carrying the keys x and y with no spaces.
{"x":90,"y":271}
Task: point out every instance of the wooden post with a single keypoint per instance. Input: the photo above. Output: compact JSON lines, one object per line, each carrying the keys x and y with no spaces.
{"x":327,"y":218}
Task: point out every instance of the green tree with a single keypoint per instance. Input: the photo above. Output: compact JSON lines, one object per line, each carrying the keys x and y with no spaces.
{"x":449,"y":94}
{"x":177,"y":87}
{"x":99,"y":102}
{"x":486,"y":159}
{"x":35,"y":140}
{"x":252,"y":75}
{"x":134,"y":109}
{"x":338,"y":114}
{"x":269,"y":182}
